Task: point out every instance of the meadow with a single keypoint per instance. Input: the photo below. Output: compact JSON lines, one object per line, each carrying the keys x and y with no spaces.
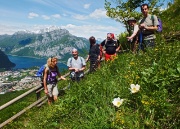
{"x":89,"y":103}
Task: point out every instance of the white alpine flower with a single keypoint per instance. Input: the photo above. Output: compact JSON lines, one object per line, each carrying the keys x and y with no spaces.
{"x":135,"y":88}
{"x":117,"y":102}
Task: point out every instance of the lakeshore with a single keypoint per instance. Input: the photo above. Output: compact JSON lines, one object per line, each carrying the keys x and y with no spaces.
{"x":23,"y":62}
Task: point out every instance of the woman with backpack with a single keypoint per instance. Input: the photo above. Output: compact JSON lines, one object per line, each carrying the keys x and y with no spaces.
{"x":50,"y":79}
{"x":94,"y":54}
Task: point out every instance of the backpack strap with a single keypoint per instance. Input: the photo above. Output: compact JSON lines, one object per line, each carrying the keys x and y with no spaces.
{"x":152,"y":18}
{"x":81,"y":60}
{"x":49,"y":70}
{"x":71,"y":61}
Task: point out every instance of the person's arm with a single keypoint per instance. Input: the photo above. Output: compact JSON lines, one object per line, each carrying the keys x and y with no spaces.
{"x":45,"y":80}
{"x":103,"y":48}
{"x":118,"y":47}
{"x":103,"y":42}
{"x":135,"y":31}
{"x":82,"y":69}
{"x":98,"y":52}
{"x":87,"y":58}
{"x":83,"y":65}
{"x":151,"y":28}
{"x":59,"y":75}
{"x":73,"y":69}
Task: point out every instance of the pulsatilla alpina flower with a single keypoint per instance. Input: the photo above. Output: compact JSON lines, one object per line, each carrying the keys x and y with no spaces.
{"x":117,"y":102}
{"x":135,"y":88}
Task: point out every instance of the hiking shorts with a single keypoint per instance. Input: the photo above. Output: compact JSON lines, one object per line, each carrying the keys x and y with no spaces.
{"x":149,"y":43}
{"x":110,"y":57}
{"x":52,"y":90}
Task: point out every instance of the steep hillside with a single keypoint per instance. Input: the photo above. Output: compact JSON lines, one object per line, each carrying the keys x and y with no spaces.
{"x":5,"y":62}
{"x":171,"y":20}
{"x":88,"y":104}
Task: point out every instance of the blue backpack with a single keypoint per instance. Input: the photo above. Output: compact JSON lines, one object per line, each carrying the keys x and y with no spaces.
{"x":160,"y":23}
{"x":40,"y":72}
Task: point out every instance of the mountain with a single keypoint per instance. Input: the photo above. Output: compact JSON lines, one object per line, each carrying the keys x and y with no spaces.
{"x":52,"y":41}
{"x":5,"y":62}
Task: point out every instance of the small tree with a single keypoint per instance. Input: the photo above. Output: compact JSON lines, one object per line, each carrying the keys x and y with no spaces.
{"x":130,"y":8}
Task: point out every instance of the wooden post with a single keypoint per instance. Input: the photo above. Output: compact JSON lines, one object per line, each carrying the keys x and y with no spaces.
{"x":38,"y":91}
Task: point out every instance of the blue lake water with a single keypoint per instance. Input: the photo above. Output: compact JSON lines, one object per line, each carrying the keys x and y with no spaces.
{"x":28,"y":62}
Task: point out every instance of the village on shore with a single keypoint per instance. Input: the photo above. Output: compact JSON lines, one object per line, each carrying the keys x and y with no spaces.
{"x":16,"y":80}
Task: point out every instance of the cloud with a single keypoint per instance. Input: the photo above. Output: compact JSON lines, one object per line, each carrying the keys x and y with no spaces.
{"x":6,"y":29}
{"x":45,"y":17}
{"x":64,"y":14}
{"x":99,"y":31}
{"x":86,"y":6}
{"x":80,"y":17}
{"x":98,"y":13}
{"x":32,"y":15}
{"x":56,"y":16}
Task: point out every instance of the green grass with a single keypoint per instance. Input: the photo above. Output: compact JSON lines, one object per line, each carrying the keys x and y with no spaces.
{"x":88,"y":104}
{"x":17,"y":106}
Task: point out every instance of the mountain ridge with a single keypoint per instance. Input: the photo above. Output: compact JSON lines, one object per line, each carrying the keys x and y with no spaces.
{"x":52,"y":41}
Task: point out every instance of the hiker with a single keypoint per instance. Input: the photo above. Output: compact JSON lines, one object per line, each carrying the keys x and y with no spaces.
{"x":148,"y":26}
{"x":50,"y":79}
{"x":133,"y":39}
{"x":110,"y":47}
{"x":76,"y":65}
{"x":94,"y":54}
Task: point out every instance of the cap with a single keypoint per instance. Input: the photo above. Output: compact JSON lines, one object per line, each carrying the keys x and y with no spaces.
{"x":131,"y":19}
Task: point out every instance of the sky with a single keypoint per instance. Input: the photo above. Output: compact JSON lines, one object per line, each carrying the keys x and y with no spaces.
{"x":82,"y":18}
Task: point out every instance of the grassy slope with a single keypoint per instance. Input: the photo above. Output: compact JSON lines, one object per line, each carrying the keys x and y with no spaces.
{"x":171,"y":19}
{"x":88,"y":105}
{"x":17,"y":106}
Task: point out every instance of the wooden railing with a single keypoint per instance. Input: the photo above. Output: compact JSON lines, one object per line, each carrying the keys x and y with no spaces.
{"x":40,"y":100}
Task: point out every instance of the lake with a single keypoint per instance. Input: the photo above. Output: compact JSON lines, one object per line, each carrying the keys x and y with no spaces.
{"x":28,"y":62}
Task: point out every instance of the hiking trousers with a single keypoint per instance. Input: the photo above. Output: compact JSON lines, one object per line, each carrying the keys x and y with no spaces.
{"x":93,"y":66}
{"x":150,"y":43}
